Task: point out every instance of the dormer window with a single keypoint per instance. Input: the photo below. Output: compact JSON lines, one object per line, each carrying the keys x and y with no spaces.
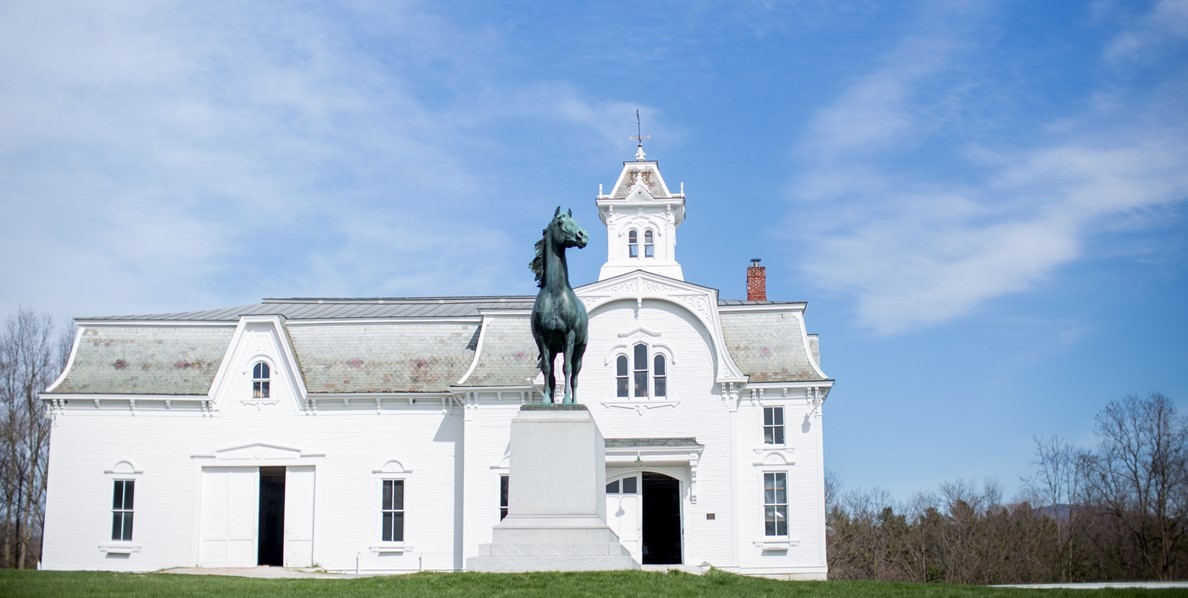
{"x":261,"y":380}
{"x":633,"y":244}
{"x":649,"y":244}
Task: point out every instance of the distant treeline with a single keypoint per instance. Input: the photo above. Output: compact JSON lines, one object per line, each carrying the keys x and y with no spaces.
{"x":1116,"y":511}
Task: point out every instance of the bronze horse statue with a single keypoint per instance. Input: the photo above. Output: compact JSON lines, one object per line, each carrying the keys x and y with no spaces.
{"x":559,"y":319}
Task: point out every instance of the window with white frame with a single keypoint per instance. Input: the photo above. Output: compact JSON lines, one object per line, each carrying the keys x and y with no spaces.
{"x":628,"y":485}
{"x":649,"y":244}
{"x":504,"y":492}
{"x":773,"y":425}
{"x":659,"y":376}
{"x":640,"y":369}
{"x":622,"y":380}
{"x":123,"y":493}
{"x":775,"y":504}
{"x":261,"y":380}
{"x":392,"y":511}
{"x":633,"y":243}
{"x":641,"y":374}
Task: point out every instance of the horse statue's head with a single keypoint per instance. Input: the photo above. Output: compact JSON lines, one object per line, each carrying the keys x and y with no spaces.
{"x":566,"y":230}
{"x":561,"y":233}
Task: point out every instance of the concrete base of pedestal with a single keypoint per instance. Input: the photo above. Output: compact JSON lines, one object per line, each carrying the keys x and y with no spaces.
{"x":557,"y":500}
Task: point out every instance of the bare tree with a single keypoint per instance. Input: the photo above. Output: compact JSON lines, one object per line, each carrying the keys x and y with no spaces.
{"x":1058,"y":486}
{"x":30,"y":359}
{"x":1140,"y":478}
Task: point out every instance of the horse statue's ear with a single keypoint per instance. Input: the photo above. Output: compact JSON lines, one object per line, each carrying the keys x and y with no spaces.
{"x":571,"y":212}
{"x":558,"y":212}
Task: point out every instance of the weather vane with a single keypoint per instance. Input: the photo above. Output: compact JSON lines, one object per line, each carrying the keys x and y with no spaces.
{"x":639,"y":137}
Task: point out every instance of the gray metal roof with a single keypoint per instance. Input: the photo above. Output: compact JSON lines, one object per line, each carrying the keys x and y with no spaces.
{"x":372,"y":308}
{"x":324,"y":309}
{"x":748,"y":302}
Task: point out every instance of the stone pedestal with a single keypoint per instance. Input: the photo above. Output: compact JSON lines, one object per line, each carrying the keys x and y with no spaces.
{"x":557,"y":501}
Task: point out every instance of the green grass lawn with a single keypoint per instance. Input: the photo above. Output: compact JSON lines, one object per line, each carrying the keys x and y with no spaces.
{"x":20,"y":584}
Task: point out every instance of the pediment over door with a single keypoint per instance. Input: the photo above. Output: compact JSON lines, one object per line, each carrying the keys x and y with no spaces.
{"x":257,"y":452}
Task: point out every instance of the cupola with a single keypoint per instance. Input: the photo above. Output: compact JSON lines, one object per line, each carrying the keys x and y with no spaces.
{"x":641,"y":217}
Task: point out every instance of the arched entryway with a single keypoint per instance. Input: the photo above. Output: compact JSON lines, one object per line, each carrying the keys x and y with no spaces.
{"x":661,"y":525}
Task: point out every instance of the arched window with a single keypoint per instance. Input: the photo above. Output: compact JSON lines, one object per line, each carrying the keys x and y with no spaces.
{"x":621,"y":380}
{"x":633,"y":243}
{"x":641,"y":370}
{"x":649,"y":244}
{"x":261,"y":380}
{"x":659,"y":376}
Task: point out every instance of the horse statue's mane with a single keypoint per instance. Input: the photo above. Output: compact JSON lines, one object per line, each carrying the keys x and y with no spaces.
{"x":537,"y":263}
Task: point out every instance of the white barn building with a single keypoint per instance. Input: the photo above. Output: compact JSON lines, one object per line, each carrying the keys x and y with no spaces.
{"x":372,"y":434}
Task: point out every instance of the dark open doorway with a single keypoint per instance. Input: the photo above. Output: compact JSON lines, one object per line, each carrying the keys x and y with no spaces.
{"x":271,"y":546}
{"x":661,"y":519}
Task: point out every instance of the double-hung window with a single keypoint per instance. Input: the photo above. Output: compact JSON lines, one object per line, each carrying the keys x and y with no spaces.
{"x":659,"y":376}
{"x":641,"y":371}
{"x":649,"y":244}
{"x":261,"y":380}
{"x":392,"y":511}
{"x":632,"y":243}
{"x":773,"y":425}
{"x":121,"y":510}
{"x":775,"y":504}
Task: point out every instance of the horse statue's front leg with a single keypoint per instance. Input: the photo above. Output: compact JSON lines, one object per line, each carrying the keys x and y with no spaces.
{"x":578,"y":350}
{"x":546,"y":370}
{"x":567,"y":367}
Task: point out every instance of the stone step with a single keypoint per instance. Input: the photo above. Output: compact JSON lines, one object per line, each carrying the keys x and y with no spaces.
{"x":522,"y":563}
{"x":572,"y":549}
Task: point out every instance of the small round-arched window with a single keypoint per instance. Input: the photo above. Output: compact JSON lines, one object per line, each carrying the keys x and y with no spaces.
{"x":649,"y":244}
{"x":261,"y":380}
{"x":633,"y":243}
{"x":659,"y":376}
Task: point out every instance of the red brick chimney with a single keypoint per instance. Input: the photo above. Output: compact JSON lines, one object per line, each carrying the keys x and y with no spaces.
{"x":756,"y":282}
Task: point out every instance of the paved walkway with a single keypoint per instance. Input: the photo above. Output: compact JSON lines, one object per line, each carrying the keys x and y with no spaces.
{"x":1150,"y":585}
{"x":263,"y":572}
{"x":304,"y":573}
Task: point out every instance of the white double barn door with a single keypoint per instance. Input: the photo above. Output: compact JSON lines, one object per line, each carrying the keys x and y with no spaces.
{"x":230,"y":518}
{"x":624,"y":516}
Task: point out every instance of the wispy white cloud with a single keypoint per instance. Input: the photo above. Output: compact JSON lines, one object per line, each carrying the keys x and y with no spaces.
{"x":917,"y":244}
{"x":170,"y":156}
{"x":1146,"y":35}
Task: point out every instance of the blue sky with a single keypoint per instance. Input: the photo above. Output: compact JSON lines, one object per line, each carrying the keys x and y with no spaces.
{"x":984,"y":203}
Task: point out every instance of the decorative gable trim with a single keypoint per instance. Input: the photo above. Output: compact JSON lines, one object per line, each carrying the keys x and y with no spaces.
{"x":286,"y":366}
{"x":701,"y":302}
